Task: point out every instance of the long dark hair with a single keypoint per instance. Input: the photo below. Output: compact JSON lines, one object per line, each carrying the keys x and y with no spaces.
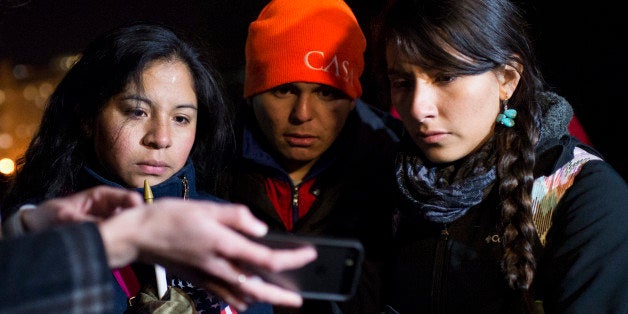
{"x":63,"y":144}
{"x":489,"y":33}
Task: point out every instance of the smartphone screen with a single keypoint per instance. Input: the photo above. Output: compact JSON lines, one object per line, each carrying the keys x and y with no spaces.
{"x":332,"y":276}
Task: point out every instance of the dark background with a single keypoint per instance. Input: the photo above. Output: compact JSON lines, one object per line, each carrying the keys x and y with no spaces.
{"x":582,"y":48}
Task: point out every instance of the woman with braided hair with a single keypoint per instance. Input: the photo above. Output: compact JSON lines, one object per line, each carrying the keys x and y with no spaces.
{"x":500,"y":210}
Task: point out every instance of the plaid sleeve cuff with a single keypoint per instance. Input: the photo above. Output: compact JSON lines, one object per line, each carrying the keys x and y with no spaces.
{"x":13,"y":227}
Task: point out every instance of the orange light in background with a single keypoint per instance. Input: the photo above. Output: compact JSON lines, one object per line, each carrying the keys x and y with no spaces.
{"x":7,"y":166}
{"x":24,"y":90}
{"x":6,"y":141}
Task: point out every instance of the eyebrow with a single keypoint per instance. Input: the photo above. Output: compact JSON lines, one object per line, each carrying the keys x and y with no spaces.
{"x":150,"y":103}
{"x":137,"y":98}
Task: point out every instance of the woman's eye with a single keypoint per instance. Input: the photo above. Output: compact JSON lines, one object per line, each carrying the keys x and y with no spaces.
{"x":182,"y":119}
{"x":445,"y":78}
{"x":401,"y":83}
{"x":136,"y":112}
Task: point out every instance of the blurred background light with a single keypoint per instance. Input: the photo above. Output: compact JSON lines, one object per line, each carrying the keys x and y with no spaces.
{"x":7,"y":166}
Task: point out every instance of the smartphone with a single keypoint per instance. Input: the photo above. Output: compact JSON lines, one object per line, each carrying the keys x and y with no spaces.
{"x":333,"y":276}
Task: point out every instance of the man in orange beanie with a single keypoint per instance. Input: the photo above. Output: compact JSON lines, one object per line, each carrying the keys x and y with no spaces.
{"x":313,"y":158}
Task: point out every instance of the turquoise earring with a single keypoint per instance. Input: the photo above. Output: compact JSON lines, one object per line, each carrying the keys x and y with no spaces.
{"x":506,"y":118}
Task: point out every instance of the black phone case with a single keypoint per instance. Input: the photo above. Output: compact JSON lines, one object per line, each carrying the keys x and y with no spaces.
{"x":333,"y":276}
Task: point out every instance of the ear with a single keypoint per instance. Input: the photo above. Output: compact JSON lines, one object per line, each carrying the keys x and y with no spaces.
{"x":508,"y":77}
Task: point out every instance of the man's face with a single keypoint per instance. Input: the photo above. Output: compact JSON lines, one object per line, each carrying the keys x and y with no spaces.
{"x":301,"y":120}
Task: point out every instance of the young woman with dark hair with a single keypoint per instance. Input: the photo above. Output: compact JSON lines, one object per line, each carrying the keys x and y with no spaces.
{"x":500,"y":210}
{"x":139,"y":104}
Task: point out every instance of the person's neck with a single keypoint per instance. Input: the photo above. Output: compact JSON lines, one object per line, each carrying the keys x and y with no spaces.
{"x":297,"y":170}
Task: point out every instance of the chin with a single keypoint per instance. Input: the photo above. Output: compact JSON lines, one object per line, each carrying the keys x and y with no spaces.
{"x":441,"y":157}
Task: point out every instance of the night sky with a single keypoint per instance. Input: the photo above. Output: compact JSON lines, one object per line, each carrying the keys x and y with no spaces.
{"x":40,"y":29}
{"x":583,"y":49}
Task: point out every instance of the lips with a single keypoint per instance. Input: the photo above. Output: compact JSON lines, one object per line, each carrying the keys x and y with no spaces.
{"x":299,"y":140}
{"x":153,"y":168}
{"x":431,"y":137}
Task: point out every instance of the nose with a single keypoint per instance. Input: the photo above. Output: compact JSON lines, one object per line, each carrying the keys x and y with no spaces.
{"x":424,"y":102}
{"x":157,"y":134}
{"x":302,"y":110}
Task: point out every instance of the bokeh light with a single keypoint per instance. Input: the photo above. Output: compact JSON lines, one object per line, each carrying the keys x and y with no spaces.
{"x":6,"y":141}
{"x":7,"y":166}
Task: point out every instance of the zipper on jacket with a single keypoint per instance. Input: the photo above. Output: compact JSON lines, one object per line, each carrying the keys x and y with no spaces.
{"x":295,"y":205}
{"x":186,"y":188}
{"x":438,"y":271}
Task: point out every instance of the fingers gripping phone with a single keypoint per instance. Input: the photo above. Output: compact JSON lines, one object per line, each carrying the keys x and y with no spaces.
{"x":333,"y":276}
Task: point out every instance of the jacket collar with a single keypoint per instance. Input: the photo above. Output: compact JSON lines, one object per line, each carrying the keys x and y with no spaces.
{"x":181,"y":184}
{"x":556,"y":146}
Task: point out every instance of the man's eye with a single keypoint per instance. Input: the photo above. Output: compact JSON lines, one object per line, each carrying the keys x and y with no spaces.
{"x":327,"y":93}
{"x":283,"y":90}
{"x":330,"y":93}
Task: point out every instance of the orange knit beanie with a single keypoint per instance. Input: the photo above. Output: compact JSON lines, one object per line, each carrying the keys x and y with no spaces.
{"x":313,"y":41}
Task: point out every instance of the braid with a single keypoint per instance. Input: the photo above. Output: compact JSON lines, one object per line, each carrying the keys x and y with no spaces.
{"x":515,"y":174}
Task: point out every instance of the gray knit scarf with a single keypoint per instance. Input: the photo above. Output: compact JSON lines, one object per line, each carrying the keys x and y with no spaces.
{"x":436,"y":192}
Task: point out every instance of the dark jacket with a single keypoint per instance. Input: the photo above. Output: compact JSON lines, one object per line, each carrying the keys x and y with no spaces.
{"x":353,"y":191}
{"x":181,"y":184}
{"x":581,"y":269}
